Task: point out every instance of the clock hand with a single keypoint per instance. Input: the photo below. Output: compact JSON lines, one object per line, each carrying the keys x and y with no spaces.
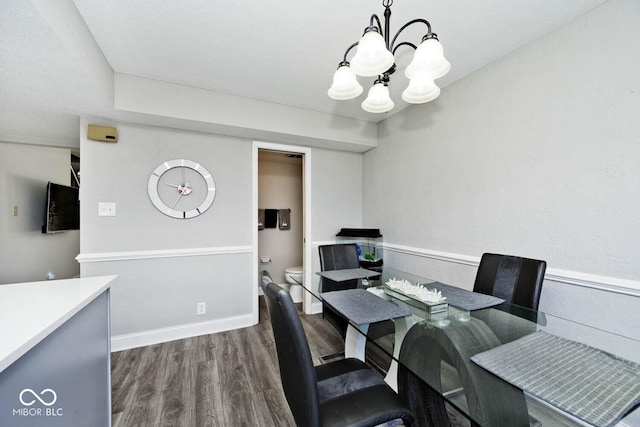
{"x":173,"y":185}
{"x":176,"y":202}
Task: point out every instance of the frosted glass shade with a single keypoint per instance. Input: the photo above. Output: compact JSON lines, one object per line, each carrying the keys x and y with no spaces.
{"x":378,"y":99}
{"x":345,"y":84}
{"x":372,"y":57}
{"x":428,"y":61}
{"x":420,"y":91}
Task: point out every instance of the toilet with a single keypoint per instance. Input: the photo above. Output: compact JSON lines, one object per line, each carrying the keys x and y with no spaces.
{"x":295,"y":289}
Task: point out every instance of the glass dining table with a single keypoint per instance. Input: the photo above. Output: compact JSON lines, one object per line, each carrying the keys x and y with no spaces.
{"x":495,"y":363}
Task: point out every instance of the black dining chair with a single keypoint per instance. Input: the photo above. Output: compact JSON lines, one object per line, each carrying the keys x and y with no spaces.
{"x":342,"y":393}
{"x":515,"y":279}
{"x":518,"y":281}
{"x":337,"y":257}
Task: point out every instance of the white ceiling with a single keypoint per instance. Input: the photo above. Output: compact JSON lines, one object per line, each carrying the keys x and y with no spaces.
{"x":283,"y":51}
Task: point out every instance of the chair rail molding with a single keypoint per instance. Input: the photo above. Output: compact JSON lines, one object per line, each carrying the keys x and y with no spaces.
{"x":605,"y":283}
{"x":163,"y":253}
{"x":317,"y":243}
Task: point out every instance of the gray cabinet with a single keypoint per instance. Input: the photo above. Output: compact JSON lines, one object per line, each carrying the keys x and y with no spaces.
{"x":64,"y":380}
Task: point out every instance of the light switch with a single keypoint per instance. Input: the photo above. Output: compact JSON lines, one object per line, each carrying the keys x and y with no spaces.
{"x":15,"y":210}
{"x":106,"y":209}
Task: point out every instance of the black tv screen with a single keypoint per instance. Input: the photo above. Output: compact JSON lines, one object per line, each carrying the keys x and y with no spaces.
{"x":62,"y":209}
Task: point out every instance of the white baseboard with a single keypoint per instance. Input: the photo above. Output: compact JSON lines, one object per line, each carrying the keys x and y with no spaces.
{"x":316,"y":308}
{"x":157,"y":336}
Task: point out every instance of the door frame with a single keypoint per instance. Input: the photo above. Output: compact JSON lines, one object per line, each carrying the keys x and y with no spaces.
{"x":306,"y":207}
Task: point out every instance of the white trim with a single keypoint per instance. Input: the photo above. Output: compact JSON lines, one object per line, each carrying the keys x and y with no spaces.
{"x":322,"y":243}
{"x":255,"y":308}
{"x":316,"y":307}
{"x":605,"y":283}
{"x":157,"y":336}
{"x":307,"y":301}
{"x":437,"y":255}
{"x":162,"y":253}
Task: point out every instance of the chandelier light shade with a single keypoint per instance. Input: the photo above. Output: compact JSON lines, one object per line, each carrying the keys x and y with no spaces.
{"x":428,"y":61}
{"x":374,"y":56}
{"x":345,"y":84}
{"x":420,"y":90}
{"x":378,"y":99}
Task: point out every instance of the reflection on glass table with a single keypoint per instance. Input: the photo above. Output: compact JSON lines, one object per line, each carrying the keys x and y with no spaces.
{"x":496,"y":363}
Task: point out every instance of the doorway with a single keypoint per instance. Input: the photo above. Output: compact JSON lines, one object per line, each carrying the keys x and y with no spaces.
{"x":275,"y":248}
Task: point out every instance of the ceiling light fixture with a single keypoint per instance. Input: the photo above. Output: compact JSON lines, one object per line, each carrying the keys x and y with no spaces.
{"x":375,"y":57}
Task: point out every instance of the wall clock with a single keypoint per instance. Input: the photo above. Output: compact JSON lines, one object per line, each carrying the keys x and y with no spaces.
{"x":181,"y":188}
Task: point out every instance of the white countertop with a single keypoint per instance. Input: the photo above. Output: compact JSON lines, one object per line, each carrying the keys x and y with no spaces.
{"x":29,"y":312}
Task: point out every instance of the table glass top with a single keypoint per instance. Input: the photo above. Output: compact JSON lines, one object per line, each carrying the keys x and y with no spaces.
{"x":483,"y":350}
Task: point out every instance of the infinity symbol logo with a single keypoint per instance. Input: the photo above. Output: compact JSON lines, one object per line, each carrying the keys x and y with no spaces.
{"x":35,"y":396}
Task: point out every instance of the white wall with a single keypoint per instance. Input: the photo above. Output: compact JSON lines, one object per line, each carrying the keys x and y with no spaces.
{"x":337,"y":199}
{"x":535,"y":155}
{"x":337,"y":193}
{"x":181,"y":106}
{"x":280,"y":187}
{"x":119,"y":173}
{"x":25,"y":253}
{"x":165,"y":265}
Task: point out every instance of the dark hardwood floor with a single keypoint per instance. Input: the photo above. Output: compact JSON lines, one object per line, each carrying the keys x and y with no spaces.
{"x":224,"y":379}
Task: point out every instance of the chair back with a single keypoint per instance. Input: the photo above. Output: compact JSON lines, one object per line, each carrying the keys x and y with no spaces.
{"x":516,"y":280}
{"x":338,"y":257}
{"x":297,"y":372}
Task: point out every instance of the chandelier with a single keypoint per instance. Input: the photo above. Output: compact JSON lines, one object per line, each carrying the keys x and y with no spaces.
{"x":375,"y":57}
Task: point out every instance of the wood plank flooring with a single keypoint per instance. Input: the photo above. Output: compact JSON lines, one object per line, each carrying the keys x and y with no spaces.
{"x":225,"y":379}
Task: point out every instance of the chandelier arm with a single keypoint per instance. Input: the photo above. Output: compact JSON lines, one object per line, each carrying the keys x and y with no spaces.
{"x":413,"y":21}
{"x":403,"y":44}
{"x":349,"y":50}
{"x":375,"y":18}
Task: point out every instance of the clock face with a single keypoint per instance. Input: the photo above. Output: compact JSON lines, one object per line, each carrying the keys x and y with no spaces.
{"x":181,"y":188}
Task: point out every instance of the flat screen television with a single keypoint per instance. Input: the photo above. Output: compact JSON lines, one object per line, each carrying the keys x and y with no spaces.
{"x":62,"y":211}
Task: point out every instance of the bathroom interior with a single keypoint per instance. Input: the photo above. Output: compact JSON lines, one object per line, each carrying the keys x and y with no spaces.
{"x":280,"y":239}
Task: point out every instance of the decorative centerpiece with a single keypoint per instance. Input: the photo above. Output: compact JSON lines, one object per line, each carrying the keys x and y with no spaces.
{"x":419,"y":296}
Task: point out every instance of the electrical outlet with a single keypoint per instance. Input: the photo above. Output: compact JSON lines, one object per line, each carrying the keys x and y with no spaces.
{"x":106,"y":209}
{"x":201,"y":308}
